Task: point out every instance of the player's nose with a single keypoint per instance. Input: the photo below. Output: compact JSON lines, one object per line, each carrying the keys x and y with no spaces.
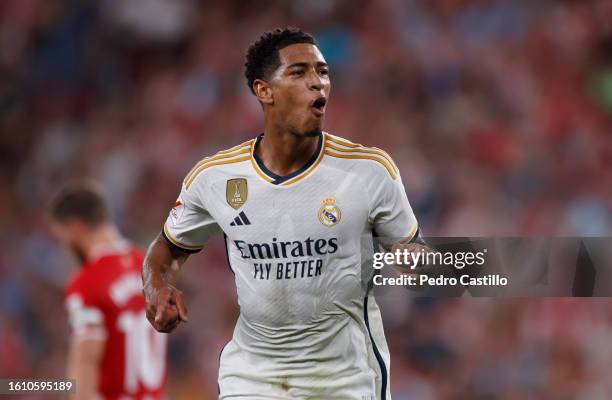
{"x":315,"y":82}
{"x":317,"y":86}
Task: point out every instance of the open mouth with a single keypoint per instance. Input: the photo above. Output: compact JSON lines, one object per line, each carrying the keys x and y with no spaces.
{"x":318,"y":106}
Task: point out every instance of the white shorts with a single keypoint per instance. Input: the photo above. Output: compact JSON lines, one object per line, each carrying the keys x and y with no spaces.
{"x":353,"y":365}
{"x":241,"y":379}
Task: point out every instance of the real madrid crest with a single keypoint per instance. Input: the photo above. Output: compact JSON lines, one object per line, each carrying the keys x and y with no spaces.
{"x":236,"y":192}
{"x":329,"y":213}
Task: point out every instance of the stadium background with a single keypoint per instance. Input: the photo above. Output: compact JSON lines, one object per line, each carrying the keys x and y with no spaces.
{"x":497,"y":113}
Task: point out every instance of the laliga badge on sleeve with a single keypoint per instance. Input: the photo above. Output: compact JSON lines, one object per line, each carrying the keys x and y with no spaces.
{"x":177,"y":210}
{"x":236,"y":192}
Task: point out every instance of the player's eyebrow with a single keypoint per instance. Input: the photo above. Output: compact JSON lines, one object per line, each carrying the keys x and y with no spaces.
{"x":305,"y":64}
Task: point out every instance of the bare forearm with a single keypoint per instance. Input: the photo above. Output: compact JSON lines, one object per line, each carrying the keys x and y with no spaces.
{"x":161,"y":264}
{"x":420,"y":248}
{"x":87,"y":379}
{"x":164,"y":302}
{"x":83,"y":364}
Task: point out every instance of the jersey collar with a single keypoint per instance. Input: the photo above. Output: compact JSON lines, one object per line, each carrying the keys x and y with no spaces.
{"x":293,"y":177}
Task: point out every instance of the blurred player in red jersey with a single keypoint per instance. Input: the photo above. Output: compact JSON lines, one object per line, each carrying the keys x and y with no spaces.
{"x":114,"y":351}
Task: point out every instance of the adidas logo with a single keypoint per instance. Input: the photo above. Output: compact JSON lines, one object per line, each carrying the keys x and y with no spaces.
{"x":241,"y":219}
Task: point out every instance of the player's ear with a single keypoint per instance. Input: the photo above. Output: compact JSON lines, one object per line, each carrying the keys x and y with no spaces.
{"x":263,"y":91}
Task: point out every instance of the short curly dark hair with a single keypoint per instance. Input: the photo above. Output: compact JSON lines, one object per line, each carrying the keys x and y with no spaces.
{"x":262,"y":56}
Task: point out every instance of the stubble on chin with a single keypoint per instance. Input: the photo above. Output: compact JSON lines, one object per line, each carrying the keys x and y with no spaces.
{"x":313,"y":133}
{"x":308,"y":133}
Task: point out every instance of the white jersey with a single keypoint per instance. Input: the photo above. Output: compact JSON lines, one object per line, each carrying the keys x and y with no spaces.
{"x":300,"y":248}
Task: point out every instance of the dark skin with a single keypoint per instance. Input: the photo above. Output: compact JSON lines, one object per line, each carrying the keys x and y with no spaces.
{"x":292,"y":123}
{"x":165,"y":305}
{"x":291,"y":129}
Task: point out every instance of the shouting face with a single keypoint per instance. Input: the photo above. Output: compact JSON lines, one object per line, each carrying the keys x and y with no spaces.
{"x":296,"y":94}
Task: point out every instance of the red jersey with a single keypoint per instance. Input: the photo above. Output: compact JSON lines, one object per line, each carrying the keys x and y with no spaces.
{"x":104,"y":301}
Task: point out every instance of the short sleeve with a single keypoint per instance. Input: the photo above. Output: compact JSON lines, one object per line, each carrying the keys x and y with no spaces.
{"x":189,"y":224}
{"x":84,"y":312}
{"x":391,"y":215}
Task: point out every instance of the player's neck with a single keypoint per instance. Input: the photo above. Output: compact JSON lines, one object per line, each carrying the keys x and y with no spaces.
{"x":103,"y":240}
{"x":283,"y":152}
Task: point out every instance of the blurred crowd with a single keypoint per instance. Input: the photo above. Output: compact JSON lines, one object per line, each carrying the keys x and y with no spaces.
{"x":497,"y":112}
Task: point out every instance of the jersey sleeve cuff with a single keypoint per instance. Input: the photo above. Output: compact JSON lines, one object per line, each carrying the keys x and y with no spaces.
{"x":413,"y":236}
{"x":177,"y":245}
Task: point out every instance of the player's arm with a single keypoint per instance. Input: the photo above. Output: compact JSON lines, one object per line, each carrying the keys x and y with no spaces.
{"x":393,"y":220}
{"x":188,"y":226}
{"x":416,"y":245}
{"x":165,"y":305}
{"x":84,"y":357}
{"x":87,"y":340}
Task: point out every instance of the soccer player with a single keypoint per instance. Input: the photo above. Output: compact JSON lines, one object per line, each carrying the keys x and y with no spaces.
{"x":114,"y":352}
{"x":299,"y":208}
